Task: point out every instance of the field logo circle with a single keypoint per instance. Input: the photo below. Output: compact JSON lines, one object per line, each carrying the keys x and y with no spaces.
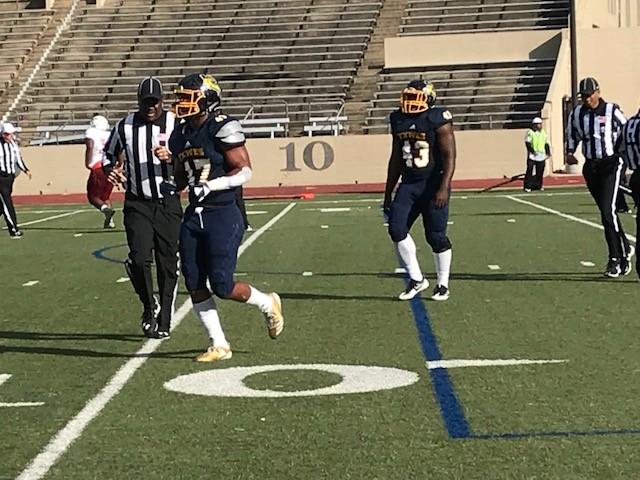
{"x":228,"y":382}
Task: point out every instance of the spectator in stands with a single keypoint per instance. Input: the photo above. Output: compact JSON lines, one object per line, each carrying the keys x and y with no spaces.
{"x":98,"y":186}
{"x":538,"y":150}
{"x":10,"y":164}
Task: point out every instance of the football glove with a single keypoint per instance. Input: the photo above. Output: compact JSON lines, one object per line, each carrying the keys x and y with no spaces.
{"x":201,"y":191}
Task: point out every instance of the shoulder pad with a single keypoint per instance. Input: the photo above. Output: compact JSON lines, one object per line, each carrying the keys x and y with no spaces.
{"x":227,"y":129}
{"x":439,"y":116}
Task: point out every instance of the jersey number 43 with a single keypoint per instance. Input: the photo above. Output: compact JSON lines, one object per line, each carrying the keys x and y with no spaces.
{"x":416,"y":155}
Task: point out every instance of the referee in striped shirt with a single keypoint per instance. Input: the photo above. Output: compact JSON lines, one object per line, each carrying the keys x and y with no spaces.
{"x":598,"y":124}
{"x":10,"y":162}
{"x":151,"y":219}
{"x":629,"y":148}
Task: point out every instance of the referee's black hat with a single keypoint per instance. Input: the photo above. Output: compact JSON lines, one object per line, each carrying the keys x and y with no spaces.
{"x":588,"y":86}
{"x":150,"y":87}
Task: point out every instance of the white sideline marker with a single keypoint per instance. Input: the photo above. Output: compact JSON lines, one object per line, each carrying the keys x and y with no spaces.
{"x":123,"y":280}
{"x":31,"y":283}
{"x":511,"y":220}
{"x":494,"y":267}
{"x":450,"y":223}
{"x":324,"y":226}
{"x":587,"y":264}
{"x":256,"y":212}
{"x":400,"y":270}
{"x":59,"y":444}
{"x":3,"y":378}
{"x":307,"y":274}
{"x":46,"y":219}
{"x":486,"y":363}
{"x":77,"y":235}
{"x":333,"y":210}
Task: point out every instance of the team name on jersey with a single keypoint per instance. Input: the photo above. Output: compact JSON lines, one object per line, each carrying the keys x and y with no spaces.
{"x":412,"y":135}
{"x":191,"y":153}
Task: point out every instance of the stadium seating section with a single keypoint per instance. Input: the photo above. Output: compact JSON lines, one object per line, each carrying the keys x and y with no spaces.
{"x":292,"y":59}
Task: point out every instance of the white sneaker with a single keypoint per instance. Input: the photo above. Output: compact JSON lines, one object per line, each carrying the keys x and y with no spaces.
{"x":414,"y":287}
{"x":215,"y":354}
{"x":626,"y":265}
{"x":440,"y":293}
{"x":275,"y":318}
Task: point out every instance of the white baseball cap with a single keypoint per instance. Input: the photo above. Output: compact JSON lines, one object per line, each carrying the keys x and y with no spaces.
{"x":8,"y":128}
{"x":537,"y":120}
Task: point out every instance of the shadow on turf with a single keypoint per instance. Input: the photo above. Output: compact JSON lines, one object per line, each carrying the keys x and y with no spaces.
{"x":69,"y":336}
{"x":78,"y":352}
{"x":474,"y":277}
{"x":75,"y":230}
{"x":542,"y":277}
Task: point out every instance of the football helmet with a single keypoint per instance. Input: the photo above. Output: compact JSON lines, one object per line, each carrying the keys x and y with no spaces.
{"x":196,"y":94}
{"x":417,"y":96}
{"x":99,"y":122}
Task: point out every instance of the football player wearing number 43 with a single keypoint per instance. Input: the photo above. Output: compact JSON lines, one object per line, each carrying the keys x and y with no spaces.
{"x":423,"y":153}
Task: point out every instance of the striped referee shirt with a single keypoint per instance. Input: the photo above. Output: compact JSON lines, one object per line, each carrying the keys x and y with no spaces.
{"x":10,"y":157}
{"x":136,"y":138}
{"x":629,"y":143}
{"x":597,"y":129}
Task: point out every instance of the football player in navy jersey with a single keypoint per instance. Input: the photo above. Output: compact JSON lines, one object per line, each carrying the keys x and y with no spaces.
{"x":210,"y":157}
{"x":423,"y":154}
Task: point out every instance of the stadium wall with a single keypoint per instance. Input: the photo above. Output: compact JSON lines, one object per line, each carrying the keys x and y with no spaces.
{"x":469,"y":48}
{"x":330,"y":162}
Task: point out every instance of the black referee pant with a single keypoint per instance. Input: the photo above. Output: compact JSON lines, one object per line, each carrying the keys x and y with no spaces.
{"x":9,"y":212}
{"x":634,"y":185}
{"x":154,"y":226}
{"x":603,"y":179}
{"x":533,"y":181}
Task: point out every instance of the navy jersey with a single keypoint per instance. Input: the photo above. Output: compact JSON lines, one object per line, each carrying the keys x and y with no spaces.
{"x":201,"y":152}
{"x":416,"y":135}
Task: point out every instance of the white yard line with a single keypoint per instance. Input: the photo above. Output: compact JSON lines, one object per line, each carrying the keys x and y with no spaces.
{"x":631,"y":238}
{"x":54,"y":217}
{"x":41,"y":464}
{"x":21,"y":211}
{"x":486,"y":363}
{"x":459,"y":196}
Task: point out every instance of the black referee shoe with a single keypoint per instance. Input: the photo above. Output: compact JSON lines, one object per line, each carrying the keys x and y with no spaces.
{"x":613,"y":268}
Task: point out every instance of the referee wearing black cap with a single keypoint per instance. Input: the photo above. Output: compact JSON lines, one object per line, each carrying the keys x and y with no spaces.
{"x":598,"y":125}
{"x":151,"y":220}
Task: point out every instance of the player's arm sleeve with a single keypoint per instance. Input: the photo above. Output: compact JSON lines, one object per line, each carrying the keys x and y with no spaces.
{"x":112,"y":150}
{"x":20,"y":162}
{"x":232,"y":141}
{"x":572,"y":133}
{"x":394,"y":169}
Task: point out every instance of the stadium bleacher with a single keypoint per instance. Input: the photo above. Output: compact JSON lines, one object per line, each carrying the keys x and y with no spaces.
{"x":501,"y":95}
{"x":423,"y":17}
{"x":298,"y":63}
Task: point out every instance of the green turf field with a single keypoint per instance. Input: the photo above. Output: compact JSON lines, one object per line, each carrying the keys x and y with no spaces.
{"x":108,"y":404}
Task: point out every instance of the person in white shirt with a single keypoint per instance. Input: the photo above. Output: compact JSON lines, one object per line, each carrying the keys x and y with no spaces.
{"x":538,"y":151}
{"x":98,"y":186}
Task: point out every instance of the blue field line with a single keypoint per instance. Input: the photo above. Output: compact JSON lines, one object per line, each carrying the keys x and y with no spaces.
{"x":450,"y":407}
{"x":100,"y":253}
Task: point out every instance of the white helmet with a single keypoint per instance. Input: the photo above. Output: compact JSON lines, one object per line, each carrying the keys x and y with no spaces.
{"x":100,"y":122}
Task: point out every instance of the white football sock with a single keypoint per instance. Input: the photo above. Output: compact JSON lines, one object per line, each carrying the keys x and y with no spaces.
{"x":443,"y":266}
{"x":407,"y":251}
{"x":210,"y":319}
{"x":260,"y":300}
